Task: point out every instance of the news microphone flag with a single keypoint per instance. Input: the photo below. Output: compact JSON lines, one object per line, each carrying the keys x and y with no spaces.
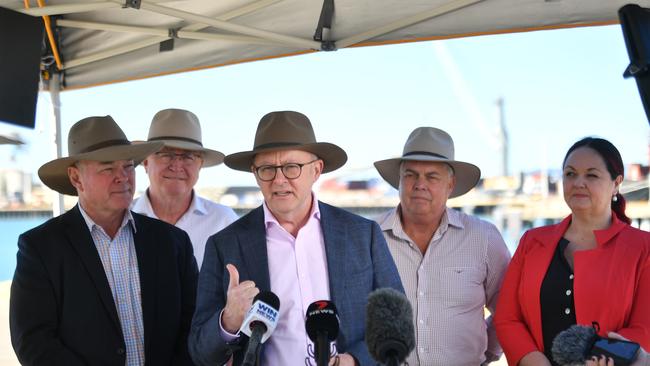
{"x":265,"y":309}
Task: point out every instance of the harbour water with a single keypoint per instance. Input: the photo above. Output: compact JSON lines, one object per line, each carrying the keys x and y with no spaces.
{"x":11,"y":226}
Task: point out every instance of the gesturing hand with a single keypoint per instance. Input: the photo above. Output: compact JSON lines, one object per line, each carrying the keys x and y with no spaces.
{"x":239,"y":300}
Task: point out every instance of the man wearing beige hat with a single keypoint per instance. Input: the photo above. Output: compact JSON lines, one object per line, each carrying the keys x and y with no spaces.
{"x":451,"y":264}
{"x":100,"y":285}
{"x":173,"y":172}
{"x":299,"y":248}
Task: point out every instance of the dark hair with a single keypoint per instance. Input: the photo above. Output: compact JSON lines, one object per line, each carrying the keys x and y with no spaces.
{"x":614,"y":165}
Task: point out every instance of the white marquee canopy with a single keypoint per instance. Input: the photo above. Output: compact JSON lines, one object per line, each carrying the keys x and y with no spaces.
{"x":103,"y":42}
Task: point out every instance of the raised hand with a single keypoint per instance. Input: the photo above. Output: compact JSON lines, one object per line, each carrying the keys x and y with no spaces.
{"x":239,"y":300}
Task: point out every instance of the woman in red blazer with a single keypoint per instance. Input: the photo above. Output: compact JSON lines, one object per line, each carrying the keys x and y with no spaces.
{"x":591,"y":267}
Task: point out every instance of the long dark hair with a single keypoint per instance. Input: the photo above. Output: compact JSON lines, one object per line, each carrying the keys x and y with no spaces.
{"x":614,"y":165}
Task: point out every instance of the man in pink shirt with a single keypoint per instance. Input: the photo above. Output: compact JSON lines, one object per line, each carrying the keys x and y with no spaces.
{"x":293,"y":245}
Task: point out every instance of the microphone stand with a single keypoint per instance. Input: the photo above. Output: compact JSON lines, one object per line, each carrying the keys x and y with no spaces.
{"x":322,"y":353}
{"x":251,"y":357}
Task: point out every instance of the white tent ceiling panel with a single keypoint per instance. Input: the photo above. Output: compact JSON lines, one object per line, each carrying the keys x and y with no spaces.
{"x":229,"y":31}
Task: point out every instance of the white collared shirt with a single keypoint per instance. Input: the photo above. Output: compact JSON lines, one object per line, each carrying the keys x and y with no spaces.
{"x":201,"y":220}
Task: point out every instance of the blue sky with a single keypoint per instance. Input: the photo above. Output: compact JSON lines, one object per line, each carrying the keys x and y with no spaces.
{"x":558,"y":86}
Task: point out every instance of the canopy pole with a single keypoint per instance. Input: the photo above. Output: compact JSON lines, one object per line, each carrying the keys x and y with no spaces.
{"x":250,"y":8}
{"x":67,"y":8}
{"x":161,"y":32}
{"x":231,"y":27}
{"x":399,"y":24}
{"x":55,"y":89}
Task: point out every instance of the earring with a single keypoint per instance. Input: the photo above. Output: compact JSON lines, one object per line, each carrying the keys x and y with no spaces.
{"x":615,"y":198}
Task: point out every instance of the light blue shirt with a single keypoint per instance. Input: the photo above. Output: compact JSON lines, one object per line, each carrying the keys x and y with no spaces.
{"x":121,"y":268}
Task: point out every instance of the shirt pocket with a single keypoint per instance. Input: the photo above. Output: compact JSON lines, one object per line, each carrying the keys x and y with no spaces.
{"x":462,"y":287}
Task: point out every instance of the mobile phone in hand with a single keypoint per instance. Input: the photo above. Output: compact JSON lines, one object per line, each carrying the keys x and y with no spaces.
{"x":623,"y":353}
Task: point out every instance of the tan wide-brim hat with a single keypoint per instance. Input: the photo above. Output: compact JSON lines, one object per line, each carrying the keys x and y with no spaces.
{"x":96,"y":139}
{"x":180,"y":129}
{"x":434,"y":145}
{"x":287,"y":130}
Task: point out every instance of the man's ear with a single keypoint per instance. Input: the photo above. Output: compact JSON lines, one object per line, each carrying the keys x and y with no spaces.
{"x":452,"y":184}
{"x":318,"y":168}
{"x":74,"y":176}
{"x":145,"y":163}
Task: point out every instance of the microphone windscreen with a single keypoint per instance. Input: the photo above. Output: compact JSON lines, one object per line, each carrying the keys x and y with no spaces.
{"x":322,"y":317}
{"x":268,"y":297}
{"x":570,"y":347}
{"x":389,"y":325}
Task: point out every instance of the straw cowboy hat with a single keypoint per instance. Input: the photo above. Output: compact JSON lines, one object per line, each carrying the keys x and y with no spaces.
{"x":287,"y":130}
{"x":180,"y":129}
{"x":435,"y":145}
{"x":97,"y":139}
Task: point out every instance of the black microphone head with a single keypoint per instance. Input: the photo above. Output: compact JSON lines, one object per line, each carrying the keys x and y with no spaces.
{"x":269,"y":298}
{"x":571,"y":346}
{"x":389,"y":325}
{"x":322,"y":317}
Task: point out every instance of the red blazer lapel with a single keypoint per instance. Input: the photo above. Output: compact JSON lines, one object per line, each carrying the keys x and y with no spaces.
{"x":542,"y":244}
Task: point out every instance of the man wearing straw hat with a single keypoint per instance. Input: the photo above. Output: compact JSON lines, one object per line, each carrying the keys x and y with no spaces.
{"x":294,"y":245}
{"x":100,"y":285}
{"x":173,"y":172}
{"x":451,"y":264}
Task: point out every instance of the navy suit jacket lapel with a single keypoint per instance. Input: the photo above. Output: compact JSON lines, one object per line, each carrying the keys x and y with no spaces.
{"x":77,"y":232}
{"x":252,"y":241}
{"x":334,"y":236}
{"x":145,"y":248}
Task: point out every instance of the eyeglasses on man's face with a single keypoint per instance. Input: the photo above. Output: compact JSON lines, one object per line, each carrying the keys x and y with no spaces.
{"x":266,"y":173}
{"x":187,"y":158}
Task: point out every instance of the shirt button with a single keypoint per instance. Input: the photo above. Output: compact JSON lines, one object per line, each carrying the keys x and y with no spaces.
{"x":120,"y":351}
{"x":421,"y":293}
{"x":568,"y":292}
{"x":571,"y":276}
{"x":421,"y":321}
{"x":567,"y":311}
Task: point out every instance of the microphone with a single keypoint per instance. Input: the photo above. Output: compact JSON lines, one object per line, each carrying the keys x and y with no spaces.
{"x":575,"y":345}
{"x":390,"y":334}
{"x":571,"y":346}
{"x":322,"y":325}
{"x":260,"y":322}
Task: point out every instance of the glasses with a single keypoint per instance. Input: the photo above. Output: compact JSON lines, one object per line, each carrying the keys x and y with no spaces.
{"x":188,"y":158}
{"x":266,"y":173}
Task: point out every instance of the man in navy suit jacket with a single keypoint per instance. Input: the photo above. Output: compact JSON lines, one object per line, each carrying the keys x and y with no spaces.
{"x":100,"y":285}
{"x":301,"y":249}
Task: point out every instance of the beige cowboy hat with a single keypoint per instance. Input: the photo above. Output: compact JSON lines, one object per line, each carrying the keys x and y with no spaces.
{"x":287,"y":130}
{"x":435,"y":145}
{"x":180,"y":129}
{"x":97,"y":139}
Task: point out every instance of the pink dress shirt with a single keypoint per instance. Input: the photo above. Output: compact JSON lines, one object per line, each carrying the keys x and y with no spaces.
{"x":299,"y":276}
